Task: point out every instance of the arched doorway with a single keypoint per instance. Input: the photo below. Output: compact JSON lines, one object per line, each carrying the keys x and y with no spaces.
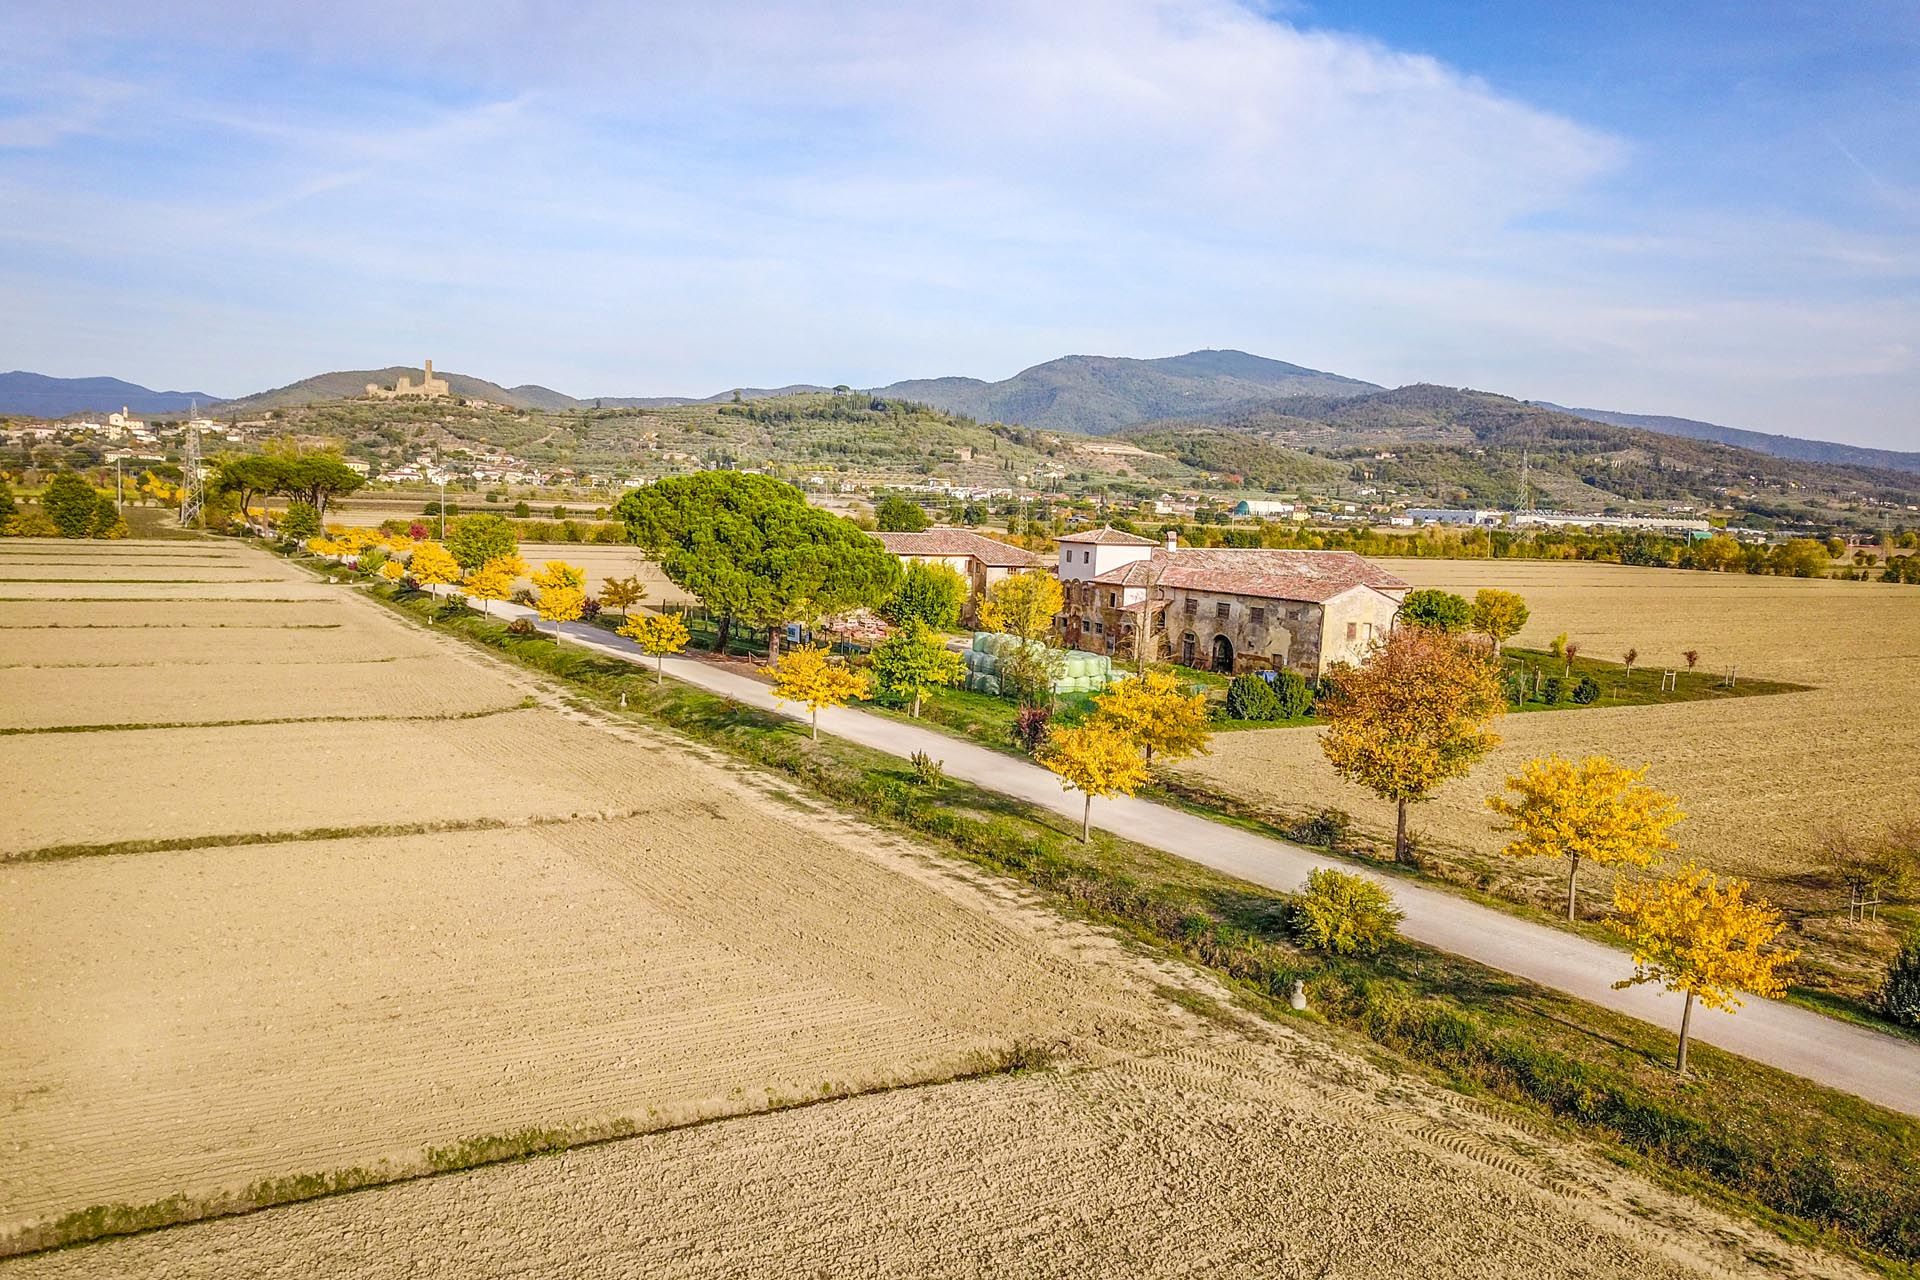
{"x":1222,"y":654}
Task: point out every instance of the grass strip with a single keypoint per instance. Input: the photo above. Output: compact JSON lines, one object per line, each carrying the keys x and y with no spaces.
{"x":522,"y":705}
{"x":98,"y":1222}
{"x":1813,"y":1163}
{"x":173,"y":844}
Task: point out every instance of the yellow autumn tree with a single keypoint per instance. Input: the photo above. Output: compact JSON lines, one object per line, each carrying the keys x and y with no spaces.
{"x":1094,"y":759}
{"x":658,"y":634}
{"x":432,"y":563}
{"x":393,"y":570}
{"x":494,"y":579}
{"x":808,"y":676}
{"x":621,"y":594}
{"x":560,"y":604}
{"x":1498,"y":615}
{"x":558,"y":573}
{"x":1693,"y":933}
{"x":1592,"y":811}
{"x":1414,"y":715}
{"x":1157,"y":712}
{"x":1022,"y":604}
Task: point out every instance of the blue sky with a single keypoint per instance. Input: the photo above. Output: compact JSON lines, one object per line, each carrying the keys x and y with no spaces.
{"x":1703,"y":209}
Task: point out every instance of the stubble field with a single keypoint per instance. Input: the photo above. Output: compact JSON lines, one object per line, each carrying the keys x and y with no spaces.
{"x":1761,"y":779}
{"x":611,"y":933}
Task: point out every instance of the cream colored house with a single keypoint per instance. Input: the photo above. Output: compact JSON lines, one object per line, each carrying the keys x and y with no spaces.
{"x":1222,"y":609}
{"x":979,"y":560}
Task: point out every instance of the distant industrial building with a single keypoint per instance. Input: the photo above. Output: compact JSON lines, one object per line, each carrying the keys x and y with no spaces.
{"x":1648,"y":523}
{"x":1454,"y":515}
{"x":1257,"y":507}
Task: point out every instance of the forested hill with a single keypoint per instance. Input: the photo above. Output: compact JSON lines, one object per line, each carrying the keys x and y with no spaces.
{"x":1758,"y":441}
{"x":1469,"y":446}
{"x":1098,"y":395}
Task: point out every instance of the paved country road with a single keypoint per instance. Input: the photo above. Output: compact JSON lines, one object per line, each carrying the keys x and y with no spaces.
{"x":1870,"y":1064}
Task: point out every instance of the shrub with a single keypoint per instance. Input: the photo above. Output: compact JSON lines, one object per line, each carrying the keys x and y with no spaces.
{"x":70,"y":503}
{"x":521,"y":510}
{"x":523,"y":596}
{"x":1554,"y":691}
{"x":1030,"y":727}
{"x":1344,"y":914}
{"x":590,"y":608}
{"x":1587,"y":692}
{"x":1329,"y":827}
{"x":522,"y":627}
{"x":1250,"y":697}
{"x":927,"y":771}
{"x":372,"y":558}
{"x":1295,"y":693}
{"x":1900,"y":993}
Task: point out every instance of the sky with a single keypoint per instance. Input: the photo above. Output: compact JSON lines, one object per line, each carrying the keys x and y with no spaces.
{"x":1703,"y":209}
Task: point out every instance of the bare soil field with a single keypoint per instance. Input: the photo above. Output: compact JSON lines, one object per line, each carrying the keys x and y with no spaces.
{"x":102,"y":590}
{"x":612,"y":932}
{"x":1760,"y":778}
{"x":1213,"y":1157}
{"x":320,"y":610}
{"x":214,"y":693}
{"x":328,"y":636}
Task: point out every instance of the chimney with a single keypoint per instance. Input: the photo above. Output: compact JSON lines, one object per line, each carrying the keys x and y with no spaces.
{"x":1173,"y":540}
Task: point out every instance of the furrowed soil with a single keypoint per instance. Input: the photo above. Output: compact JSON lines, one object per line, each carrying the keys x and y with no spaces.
{"x":1761,"y":779}
{"x":689,"y":958}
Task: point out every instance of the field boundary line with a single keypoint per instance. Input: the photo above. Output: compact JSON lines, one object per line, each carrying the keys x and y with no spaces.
{"x":107,"y":1221}
{"x":522,"y":705}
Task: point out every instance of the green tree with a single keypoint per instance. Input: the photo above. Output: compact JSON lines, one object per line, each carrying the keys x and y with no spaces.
{"x":1900,"y":991}
{"x":897,"y":514}
{"x":751,"y":549}
{"x":299,"y":521}
{"x":70,"y":503}
{"x":7,"y":504}
{"x":474,"y":540}
{"x":913,"y":661}
{"x":1441,"y":610}
{"x":929,"y":593}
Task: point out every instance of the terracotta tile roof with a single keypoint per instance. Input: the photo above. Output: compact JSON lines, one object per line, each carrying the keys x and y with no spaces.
{"x":944,"y":541}
{"x":1316,"y":576}
{"x":1108,"y":536}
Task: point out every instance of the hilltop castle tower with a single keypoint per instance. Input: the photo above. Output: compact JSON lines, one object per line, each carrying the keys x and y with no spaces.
{"x":429,"y":388}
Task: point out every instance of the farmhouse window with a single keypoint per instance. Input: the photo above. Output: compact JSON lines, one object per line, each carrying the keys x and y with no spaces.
{"x":1193,"y":606}
{"x":1353,"y":631}
{"x":1222,"y":609}
{"x":1111,"y":601}
{"x":1099,"y":628}
{"x":1259,"y":616}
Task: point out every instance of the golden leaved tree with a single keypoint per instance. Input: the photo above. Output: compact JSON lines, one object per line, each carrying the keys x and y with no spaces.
{"x":1414,"y":715}
{"x":560,"y":604}
{"x":1693,"y":933}
{"x":558,"y":573}
{"x":1592,"y":811}
{"x":1498,"y":615}
{"x":621,"y":594}
{"x":432,"y":563}
{"x":1022,"y":604}
{"x":658,"y":634}
{"x":494,"y":579}
{"x":808,"y":676}
{"x":1096,"y":760}
{"x":1157,"y":712}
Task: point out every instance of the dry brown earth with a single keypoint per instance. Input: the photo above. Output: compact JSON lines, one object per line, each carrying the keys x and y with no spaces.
{"x":697,"y":944}
{"x":603,"y":562}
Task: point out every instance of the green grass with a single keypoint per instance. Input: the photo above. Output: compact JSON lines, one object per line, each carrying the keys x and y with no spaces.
{"x":1814,"y":1163}
{"x":1638,"y":688}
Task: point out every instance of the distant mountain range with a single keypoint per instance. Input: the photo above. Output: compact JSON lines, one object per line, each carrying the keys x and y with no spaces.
{"x":35,"y":395}
{"x":1095,"y":395}
{"x":1758,"y":441}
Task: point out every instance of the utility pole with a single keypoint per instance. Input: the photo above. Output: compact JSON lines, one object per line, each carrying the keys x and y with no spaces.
{"x":119,"y":502}
{"x":193,"y":491}
{"x":443,"y":509}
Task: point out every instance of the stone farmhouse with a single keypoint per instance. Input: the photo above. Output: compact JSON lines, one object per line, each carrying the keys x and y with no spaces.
{"x":429,"y":388}
{"x":1222,"y":609}
{"x":979,"y":560}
